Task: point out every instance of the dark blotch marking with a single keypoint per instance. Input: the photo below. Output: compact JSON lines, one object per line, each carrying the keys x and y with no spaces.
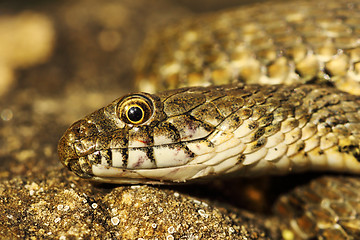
{"x":258,"y":133}
{"x":97,"y":157}
{"x":328,"y":72}
{"x":350,"y":149}
{"x":252,"y":126}
{"x":267,"y":120}
{"x":240,"y":159}
{"x":301,"y":146}
{"x":357,"y":154}
{"x":109,"y":153}
{"x":125,"y":154}
{"x":261,"y":142}
{"x":206,"y":126}
{"x":174,"y":133}
{"x":150,"y":131}
{"x":210,"y":144}
{"x":189,"y":152}
{"x":150,"y":154}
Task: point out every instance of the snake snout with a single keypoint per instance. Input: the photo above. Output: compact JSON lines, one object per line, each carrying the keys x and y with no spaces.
{"x":77,"y":141}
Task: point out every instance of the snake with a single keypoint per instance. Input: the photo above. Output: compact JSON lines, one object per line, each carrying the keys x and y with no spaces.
{"x":269,"y":88}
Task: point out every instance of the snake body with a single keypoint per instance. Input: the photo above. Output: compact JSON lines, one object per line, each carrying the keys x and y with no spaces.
{"x":204,"y":121}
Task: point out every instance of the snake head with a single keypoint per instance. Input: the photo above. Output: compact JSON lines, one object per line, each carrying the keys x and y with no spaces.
{"x":90,"y":142}
{"x":138,"y":138}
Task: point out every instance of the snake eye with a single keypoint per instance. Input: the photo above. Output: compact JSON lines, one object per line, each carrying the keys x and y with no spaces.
{"x":135,"y":109}
{"x":135,"y":114}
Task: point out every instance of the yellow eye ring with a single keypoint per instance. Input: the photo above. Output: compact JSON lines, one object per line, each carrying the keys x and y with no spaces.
{"x":135,"y":114}
{"x":135,"y":109}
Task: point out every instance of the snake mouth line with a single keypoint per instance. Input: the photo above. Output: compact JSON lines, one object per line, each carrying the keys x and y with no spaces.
{"x":156,"y":175}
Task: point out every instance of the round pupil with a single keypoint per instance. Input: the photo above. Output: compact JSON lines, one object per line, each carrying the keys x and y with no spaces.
{"x":135,"y":114}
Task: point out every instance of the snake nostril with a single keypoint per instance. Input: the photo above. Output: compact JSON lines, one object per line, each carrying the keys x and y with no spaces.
{"x":82,"y":129}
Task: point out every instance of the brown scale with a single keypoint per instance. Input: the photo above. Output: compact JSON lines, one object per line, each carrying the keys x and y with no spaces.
{"x":208,"y":113}
{"x":272,"y":129}
{"x":232,"y":122}
{"x":181,"y":103}
{"x":228,"y":104}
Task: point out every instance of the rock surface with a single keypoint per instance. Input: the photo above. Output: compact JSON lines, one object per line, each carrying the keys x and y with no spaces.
{"x":57,"y":204}
{"x":86,"y":64}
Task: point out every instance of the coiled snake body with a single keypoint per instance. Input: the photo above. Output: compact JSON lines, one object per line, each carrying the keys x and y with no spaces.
{"x":254,"y":90}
